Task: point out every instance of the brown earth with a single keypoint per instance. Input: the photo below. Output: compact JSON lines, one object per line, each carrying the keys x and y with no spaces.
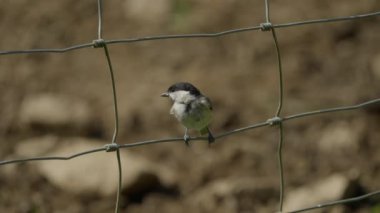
{"x":324,"y":65}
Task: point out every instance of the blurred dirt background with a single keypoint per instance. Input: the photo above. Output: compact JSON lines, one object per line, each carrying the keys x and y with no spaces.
{"x":59,"y":104}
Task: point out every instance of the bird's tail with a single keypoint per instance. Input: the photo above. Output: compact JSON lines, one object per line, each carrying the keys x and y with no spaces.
{"x":205,"y":131}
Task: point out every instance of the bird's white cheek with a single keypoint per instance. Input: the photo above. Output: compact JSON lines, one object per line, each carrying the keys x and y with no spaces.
{"x":180,"y":96}
{"x":172,"y":96}
{"x":178,"y":110}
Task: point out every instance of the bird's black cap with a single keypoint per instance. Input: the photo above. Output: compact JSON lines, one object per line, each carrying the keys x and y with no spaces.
{"x":184,"y":86}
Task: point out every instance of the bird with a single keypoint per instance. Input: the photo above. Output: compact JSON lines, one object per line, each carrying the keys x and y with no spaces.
{"x":191,"y":108}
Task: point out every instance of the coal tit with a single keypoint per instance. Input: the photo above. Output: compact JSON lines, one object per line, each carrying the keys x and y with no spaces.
{"x":191,"y":108}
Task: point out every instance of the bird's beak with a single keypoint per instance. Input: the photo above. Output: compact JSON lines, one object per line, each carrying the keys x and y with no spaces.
{"x":165,"y":94}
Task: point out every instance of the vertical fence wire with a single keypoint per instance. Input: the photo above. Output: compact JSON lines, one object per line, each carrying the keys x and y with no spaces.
{"x":114,"y":95}
{"x":281,"y":166}
{"x":277,"y":120}
{"x":280,"y":104}
{"x":100,"y":43}
{"x":120,"y":179}
{"x":100,"y":19}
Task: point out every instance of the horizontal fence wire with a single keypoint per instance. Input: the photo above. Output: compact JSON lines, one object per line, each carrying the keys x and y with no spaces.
{"x":269,"y":122}
{"x":277,"y":120}
{"x":184,"y":36}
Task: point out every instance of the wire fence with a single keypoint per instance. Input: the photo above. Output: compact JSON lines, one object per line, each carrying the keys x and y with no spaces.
{"x":277,"y":121}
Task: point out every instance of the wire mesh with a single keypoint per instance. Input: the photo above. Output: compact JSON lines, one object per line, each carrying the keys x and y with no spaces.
{"x":277,"y":120}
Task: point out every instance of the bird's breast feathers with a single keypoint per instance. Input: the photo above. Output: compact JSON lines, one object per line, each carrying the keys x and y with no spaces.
{"x":194,"y":115}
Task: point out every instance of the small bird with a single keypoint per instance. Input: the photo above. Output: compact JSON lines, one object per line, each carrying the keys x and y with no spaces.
{"x":191,"y":108}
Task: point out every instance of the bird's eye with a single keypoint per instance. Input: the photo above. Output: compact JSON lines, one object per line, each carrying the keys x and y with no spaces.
{"x":171,"y":89}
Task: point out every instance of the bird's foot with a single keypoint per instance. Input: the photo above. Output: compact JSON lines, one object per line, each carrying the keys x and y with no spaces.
{"x":186,"y":138}
{"x":210,"y":138}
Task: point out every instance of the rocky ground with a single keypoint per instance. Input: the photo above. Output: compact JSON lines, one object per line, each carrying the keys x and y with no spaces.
{"x":60,"y":104}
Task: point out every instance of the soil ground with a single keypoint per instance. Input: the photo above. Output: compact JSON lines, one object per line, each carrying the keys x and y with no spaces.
{"x":324,"y":65}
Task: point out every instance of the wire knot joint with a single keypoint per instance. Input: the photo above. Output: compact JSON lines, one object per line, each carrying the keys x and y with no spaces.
{"x":99,"y":43}
{"x":274,"y":121}
{"x":266,"y":26}
{"x":111,"y":147}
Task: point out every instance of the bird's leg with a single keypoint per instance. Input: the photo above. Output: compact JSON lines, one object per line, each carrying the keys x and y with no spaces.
{"x":211,"y":138}
{"x":186,"y":138}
